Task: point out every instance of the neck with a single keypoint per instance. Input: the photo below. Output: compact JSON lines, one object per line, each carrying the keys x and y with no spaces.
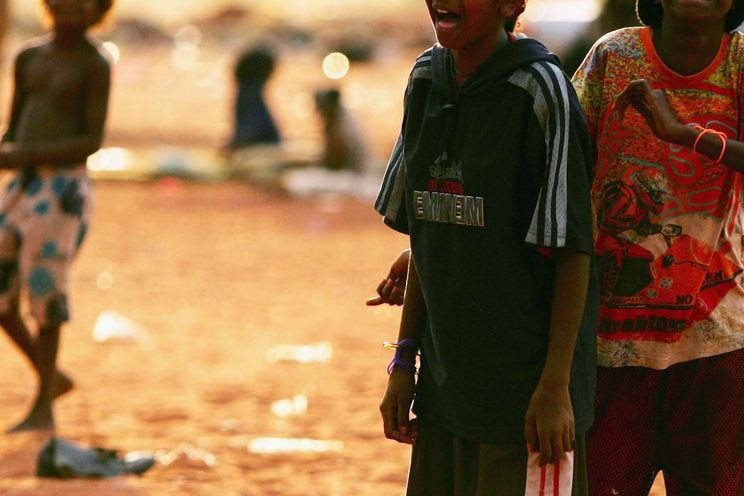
{"x":461,"y":74}
{"x":467,"y":60}
{"x":687,"y":49}
{"x":68,"y":38}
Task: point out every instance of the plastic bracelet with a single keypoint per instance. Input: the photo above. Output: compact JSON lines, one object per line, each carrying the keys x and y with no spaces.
{"x":704,"y":131}
{"x":398,"y":360}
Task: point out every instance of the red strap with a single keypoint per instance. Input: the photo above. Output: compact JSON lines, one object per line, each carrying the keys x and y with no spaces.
{"x":543,"y":475}
{"x":557,"y":478}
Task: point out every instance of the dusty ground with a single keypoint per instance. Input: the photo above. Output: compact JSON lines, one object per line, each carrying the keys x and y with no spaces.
{"x":217,"y":275}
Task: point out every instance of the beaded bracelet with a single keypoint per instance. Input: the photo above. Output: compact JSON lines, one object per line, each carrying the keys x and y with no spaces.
{"x":398,"y":360}
{"x":704,"y":131}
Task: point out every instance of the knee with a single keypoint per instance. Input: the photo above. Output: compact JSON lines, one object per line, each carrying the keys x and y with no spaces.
{"x":9,"y":315}
{"x":57,"y":312}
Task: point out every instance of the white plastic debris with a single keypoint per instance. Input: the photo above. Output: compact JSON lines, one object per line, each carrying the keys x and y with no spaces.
{"x":290,"y":407}
{"x":317,"y":352}
{"x":274,"y":445}
{"x":188,"y":452}
{"x":112,"y":326}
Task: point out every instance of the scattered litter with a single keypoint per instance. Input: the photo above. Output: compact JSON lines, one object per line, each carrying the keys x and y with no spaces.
{"x":112,"y":326}
{"x":187,"y":452}
{"x":290,"y":407}
{"x":312,"y":181}
{"x":229,"y":425}
{"x":265,"y":163}
{"x":63,"y":459}
{"x":318,"y":352}
{"x":273,"y":445}
{"x":105,"y":280}
{"x":183,"y":164}
{"x":110,"y":160}
{"x":155,"y":163}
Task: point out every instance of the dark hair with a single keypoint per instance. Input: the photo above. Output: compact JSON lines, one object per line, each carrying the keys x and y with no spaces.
{"x":511,"y":23}
{"x":104,"y":6}
{"x":650,"y":13}
{"x":255,"y":65}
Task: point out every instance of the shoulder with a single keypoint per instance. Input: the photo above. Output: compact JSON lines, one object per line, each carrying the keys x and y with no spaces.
{"x":422,"y":65}
{"x":98,"y":55}
{"x":736,"y":45}
{"x":618,"y":51}
{"x":542,"y":77}
{"x":621,"y":40}
{"x":32,"y":48}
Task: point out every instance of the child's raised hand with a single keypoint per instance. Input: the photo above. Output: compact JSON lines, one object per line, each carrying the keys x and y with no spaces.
{"x":392,"y":288}
{"x":651,"y":104}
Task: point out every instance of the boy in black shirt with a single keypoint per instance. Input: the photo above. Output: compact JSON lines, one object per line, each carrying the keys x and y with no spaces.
{"x":490,"y":179}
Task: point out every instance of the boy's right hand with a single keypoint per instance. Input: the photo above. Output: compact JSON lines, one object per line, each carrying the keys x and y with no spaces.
{"x":396,"y":405}
{"x":392,"y":289}
{"x":549,"y":423}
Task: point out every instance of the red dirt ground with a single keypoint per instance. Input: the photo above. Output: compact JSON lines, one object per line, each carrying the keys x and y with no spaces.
{"x":217,"y":274}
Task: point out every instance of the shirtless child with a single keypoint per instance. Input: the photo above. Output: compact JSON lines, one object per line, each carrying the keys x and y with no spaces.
{"x":57,"y":120}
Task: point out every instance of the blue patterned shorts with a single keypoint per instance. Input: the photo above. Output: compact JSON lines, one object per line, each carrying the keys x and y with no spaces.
{"x":43,"y":219}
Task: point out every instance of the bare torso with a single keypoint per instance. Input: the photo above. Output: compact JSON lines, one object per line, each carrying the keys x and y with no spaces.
{"x":60,"y":101}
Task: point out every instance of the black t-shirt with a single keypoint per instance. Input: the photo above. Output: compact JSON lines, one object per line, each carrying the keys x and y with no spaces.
{"x":487,"y":180}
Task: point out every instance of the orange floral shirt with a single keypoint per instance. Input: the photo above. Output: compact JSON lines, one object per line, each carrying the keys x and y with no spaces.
{"x":668,"y":221}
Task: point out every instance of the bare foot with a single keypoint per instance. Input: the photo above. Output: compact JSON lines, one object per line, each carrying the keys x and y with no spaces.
{"x":39,"y":419}
{"x":62,"y":384}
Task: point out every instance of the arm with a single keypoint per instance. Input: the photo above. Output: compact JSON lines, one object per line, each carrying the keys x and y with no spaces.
{"x":398,"y":398}
{"x":549,"y":421}
{"x":18,"y":99}
{"x":652,"y":105}
{"x":392,"y":288}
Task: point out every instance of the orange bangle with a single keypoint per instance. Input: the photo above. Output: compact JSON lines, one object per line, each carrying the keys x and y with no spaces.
{"x":704,"y":131}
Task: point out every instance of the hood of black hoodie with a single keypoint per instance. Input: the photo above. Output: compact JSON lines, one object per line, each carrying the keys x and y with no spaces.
{"x":500,"y":65}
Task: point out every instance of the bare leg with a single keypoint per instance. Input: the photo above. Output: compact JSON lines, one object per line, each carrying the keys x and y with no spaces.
{"x":41,"y":417}
{"x":16,"y":328}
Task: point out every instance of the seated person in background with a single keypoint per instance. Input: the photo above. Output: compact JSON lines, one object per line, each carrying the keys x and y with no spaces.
{"x":343,"y":145}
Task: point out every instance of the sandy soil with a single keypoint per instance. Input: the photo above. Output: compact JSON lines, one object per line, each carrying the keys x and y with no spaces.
{"x":217,"y":275}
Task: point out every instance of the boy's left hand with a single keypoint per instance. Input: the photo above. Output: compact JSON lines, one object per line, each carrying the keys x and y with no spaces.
{"x":549,"y":422}
{"x":392,"y":289}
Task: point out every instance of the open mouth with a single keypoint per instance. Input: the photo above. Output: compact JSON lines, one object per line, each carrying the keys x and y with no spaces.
{"x":446,"y":19}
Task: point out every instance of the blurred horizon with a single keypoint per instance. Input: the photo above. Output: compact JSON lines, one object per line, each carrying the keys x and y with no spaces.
{"x":174,"y":88}
{"x":174,"y":12}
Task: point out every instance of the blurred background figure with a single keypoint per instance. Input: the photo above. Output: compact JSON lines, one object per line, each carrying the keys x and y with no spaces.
{"x":615,"y":14}
{"x":343,"y":144}
{"x":253,"y":123}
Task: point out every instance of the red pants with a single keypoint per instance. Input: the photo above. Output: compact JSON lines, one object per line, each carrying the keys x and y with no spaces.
{"x":687,"y":421}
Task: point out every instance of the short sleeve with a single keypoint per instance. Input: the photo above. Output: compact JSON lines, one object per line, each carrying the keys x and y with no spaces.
{"x":588,"y":83}
{"x":562,"y":216}
{"x":390,"y":202}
